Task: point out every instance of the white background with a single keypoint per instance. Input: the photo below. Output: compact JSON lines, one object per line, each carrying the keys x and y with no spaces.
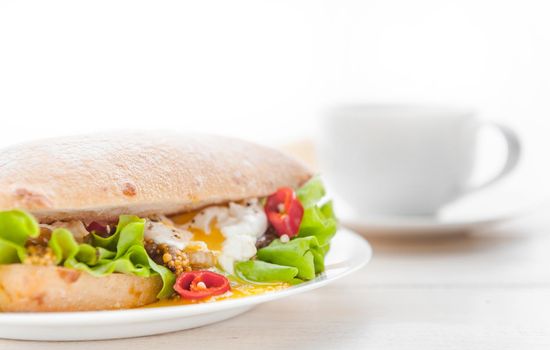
{"x":264,"y":70}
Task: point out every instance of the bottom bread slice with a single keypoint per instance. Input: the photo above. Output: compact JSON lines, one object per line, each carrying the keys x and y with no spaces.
{"x":28,"y":288}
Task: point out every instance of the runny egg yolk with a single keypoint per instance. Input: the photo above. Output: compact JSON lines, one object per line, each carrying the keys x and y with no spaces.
{"x":213,"y":240}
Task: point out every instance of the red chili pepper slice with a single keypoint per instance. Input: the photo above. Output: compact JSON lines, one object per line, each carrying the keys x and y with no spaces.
{"x":284,"y":211}
{"x":201,"y":284}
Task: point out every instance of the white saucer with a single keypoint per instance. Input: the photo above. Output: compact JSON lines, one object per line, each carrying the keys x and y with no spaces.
{"x":377,"y":226}
{"x":349,"y":252}
{"x":465,"y":216}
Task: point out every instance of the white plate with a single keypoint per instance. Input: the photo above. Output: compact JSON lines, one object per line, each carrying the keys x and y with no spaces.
{"x":349,"y":252}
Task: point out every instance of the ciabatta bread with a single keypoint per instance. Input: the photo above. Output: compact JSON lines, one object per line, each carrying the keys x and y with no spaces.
{"x":99,"y":177}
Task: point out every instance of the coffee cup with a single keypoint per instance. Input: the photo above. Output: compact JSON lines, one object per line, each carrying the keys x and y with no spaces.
{"x":405,"y":159}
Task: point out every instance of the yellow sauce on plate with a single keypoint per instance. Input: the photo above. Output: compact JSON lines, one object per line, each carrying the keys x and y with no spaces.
{"x":237,"y":291}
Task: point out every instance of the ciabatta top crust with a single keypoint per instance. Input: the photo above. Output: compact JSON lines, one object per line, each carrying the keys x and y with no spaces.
{"x":98,"y":177}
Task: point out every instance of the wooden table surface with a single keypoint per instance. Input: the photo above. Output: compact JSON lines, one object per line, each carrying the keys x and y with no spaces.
{"x":488,"y":290}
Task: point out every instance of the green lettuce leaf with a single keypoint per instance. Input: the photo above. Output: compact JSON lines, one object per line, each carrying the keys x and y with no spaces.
{"x":11,"y":253}
{"x":299,"y":253}
{"x":319,"y":219}
{"x":319,"y":257}
{"x":311,"y":192}
{"x":315,"y":223}
{"x":16,"y":226}
{"x":328,"y":211}
{"x":260,"y":271}
{"x":123,"y":252}
{"x":114,"y":242}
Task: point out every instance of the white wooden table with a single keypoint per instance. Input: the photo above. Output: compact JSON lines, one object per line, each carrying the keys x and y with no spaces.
{"x":490,"y":290}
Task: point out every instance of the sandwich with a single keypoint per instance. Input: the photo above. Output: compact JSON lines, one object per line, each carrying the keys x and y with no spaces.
{"x":118,"y":221}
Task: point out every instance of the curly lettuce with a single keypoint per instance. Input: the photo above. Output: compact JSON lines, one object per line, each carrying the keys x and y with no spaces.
{"x":123,"y":252}
{"x":16,"y":227}
{"x":319,"y":219}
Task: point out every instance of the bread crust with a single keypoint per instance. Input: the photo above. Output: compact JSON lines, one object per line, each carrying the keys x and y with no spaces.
{"x":99,"y":177}
{"x":25,"y":288}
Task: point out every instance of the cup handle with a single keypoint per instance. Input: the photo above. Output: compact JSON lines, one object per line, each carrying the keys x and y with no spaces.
{"x":513,"y":146}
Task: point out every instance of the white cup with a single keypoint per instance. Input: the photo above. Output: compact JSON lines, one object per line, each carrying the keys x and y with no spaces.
{"x":404,"y":160}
